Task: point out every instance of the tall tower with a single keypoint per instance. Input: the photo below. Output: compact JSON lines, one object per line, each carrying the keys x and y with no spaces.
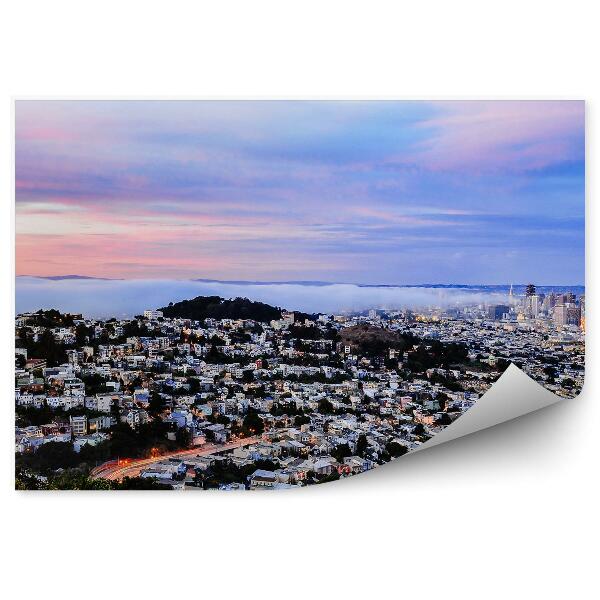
{"x":531,"y":301}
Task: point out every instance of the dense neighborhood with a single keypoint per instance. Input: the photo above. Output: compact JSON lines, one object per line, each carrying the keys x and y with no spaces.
{"x":233,"y":394}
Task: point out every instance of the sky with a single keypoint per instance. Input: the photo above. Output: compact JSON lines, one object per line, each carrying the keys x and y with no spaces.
{"x":471,"y":192}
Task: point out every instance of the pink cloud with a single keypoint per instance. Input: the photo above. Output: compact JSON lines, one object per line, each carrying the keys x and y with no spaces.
{"x":519,"y":135}
{"x":44,"y":134}
{"x":107,"y":255}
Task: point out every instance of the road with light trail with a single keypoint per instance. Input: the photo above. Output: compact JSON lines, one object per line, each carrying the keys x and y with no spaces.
{"x":115,"y":471}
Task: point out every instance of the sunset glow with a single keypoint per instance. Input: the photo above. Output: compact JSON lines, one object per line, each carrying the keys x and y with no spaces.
{"x":365,"y":192}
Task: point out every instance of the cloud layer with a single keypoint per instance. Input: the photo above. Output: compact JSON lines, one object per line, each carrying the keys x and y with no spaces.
{"x":103,"y":299}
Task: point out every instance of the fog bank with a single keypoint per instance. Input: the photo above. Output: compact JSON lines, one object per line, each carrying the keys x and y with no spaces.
{"x":105,"y":298}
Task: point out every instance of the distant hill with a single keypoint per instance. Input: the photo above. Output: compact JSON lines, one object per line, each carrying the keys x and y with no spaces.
{"x":215,"y":307}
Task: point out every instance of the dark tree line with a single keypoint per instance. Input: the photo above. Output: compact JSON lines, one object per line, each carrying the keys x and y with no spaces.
{"x":46,"y":347}
{"x":215,"y":307}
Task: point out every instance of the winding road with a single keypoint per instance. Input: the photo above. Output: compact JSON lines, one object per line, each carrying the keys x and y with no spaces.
{"x":132,"y":467}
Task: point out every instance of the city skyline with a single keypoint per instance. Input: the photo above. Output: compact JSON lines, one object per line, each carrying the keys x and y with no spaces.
{"x":362,"y":192}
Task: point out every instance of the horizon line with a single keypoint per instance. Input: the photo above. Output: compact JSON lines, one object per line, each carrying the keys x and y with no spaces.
{"x":288,"y":281}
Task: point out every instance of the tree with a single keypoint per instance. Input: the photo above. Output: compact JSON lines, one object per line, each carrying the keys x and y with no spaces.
{"x":340,"y":452}
{"x":94,"y":383}
{"x":193,"y":385}
{"x":83,"y":334}
{"x":95,"y":454}
{"x":29,"y":415}
{"x":123,"y":440}
{"x":47,"y":348}
{"x":156,"y":404}
{"x":361,"y":445}
{"x":325,"y":407}
{"x":252,"y":423}
{"x":26,"y":481}
{"x":115,"y":410}
{"x":327,"y":478}
{"x":183,"y":437}
{"x":395,"y":449}
{"x":419,"y":429}
{"x":301,"y":420}
{"x":444,"y":419}
{"x":75,"y":480}
{"x":222,"y":419}
{"x":49,"y":457}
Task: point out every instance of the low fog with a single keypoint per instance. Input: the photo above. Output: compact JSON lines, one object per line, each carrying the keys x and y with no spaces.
{"x":105,"y":298}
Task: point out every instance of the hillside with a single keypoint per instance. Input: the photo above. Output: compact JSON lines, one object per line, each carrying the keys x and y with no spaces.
{"x":215,"y":307}
{"x":374,"y":340}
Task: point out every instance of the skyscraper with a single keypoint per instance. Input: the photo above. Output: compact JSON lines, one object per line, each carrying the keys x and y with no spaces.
{"x":532,"y":305}
{"x":497,"y":312}
{"x":560,"y":315}
{"x":567,"y":314}
{"x":549,"y":303}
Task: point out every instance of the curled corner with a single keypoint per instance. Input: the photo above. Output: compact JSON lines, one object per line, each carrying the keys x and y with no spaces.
{"x":513,"y":395}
